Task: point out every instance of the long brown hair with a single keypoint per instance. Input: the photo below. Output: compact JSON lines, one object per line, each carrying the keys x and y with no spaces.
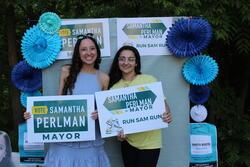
{"x":115,"y":73}
{"x":77,"y":64}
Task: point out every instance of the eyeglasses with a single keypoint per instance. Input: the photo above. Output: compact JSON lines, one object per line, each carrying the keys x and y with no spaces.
{"x":128,"y":59}
{"x":84,"y":36}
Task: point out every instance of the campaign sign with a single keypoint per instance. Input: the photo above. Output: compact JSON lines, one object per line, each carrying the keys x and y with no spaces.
{"x":60,"y":118}
{"x":203,"y":145}
{"x":147,"y":34}
{"x":30,"y":153}
{"x":72,"y":28}
{"x":131,"y":109}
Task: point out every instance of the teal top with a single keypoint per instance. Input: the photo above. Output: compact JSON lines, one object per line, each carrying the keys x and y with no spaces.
{"x":87,"y":83}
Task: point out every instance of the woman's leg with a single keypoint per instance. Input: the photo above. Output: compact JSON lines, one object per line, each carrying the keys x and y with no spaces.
{"x":134,"y":157}
{"x":147,"y":158}
{"x":129,"y":154}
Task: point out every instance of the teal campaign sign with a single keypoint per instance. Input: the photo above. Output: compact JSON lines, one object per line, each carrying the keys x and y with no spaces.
{"x":127,"y":100}
{"x":71,"y":29}
{"x":131,"y":109}
{"x":69,"y":34}
{"x":144,"y":28}
{"x":61,"y":118}
{"x":147,"y":34}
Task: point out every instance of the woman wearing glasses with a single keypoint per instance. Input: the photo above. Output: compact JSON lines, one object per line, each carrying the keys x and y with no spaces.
{"x":138,"y":149}
{"x":81,"y":77}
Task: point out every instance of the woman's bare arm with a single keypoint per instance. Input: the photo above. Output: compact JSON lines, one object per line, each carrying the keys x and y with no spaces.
{"x":64,"y":75}
{"x":104,"y":80}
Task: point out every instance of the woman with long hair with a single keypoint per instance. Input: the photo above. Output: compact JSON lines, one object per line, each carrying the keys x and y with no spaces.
{"x":138,"y":149}
{"x":81,"y":77}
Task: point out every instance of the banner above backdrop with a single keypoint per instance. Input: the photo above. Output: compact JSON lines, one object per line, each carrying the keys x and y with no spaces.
{"x":132,"y":109}
{"x":148,"y":35}
{"x":61,"y":118}
{"x":70,"y":29}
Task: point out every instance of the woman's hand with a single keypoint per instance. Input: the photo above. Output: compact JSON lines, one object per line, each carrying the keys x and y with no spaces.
{"x":26,"y":115}
{"x":167,"y":117}
{"x":121,"y":136}
{"x":94,"y":115}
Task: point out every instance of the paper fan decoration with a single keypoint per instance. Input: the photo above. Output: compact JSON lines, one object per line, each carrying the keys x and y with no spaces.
{"x":198,"y":113}
{"x":199,"y":94}
{"x":40,"y":49}
{"x":200,"y":70}
{"x":24,"y":95}
{"x":49,"y":22}
{"x":26,"y":78}
{"x":188,"y":37}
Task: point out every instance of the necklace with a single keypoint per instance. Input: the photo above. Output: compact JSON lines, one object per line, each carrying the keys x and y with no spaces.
{"x":127,"y":83}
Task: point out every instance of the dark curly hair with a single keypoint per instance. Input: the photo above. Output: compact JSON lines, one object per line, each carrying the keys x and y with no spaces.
{"x":115,"y":73}
{"x":77,"y":64}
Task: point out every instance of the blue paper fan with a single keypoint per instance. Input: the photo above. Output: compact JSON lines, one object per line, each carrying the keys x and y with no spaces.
{"x":200,"y":70}
{"x":199,"y":94}
{"x":24,"y":95}
{"x":26,"y":78}
{"x":40,"y":49}
{"x":188,"y":37}
{"x":49,"y":22}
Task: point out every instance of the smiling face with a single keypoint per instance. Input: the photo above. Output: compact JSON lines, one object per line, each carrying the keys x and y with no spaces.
{"x":88,"y":52}
{"x":127,"y":62}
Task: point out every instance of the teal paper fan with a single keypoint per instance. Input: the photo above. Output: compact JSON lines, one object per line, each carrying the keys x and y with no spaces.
{"x":200,"y":70}
{"x":24,"y":95}
{"x":49,"y":22}
{"x":40,"y":49}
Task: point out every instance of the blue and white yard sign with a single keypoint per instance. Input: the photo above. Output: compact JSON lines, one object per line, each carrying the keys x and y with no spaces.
{"x":131,"y":109}
{"x":61,"y":118}
{"x":203,"y":145}
{"x":30,"y":153}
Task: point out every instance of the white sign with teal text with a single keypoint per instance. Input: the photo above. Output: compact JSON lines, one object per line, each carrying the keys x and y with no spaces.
{"x":148,"y":34}
{"x":72,"y":28}
{"x":131,"y":109}
{"x":61,"y":118}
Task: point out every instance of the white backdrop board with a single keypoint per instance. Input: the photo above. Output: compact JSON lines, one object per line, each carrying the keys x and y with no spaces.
{"x":167,"y":69}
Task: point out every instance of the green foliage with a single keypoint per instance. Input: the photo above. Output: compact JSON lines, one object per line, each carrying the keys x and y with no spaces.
{"x":4,"y":81}
{"x":233,"y":128}
{"x":4,"y":109}
{"x":5,"y":85}
{"x":230,"y":19}
{"x":232,"y":23}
